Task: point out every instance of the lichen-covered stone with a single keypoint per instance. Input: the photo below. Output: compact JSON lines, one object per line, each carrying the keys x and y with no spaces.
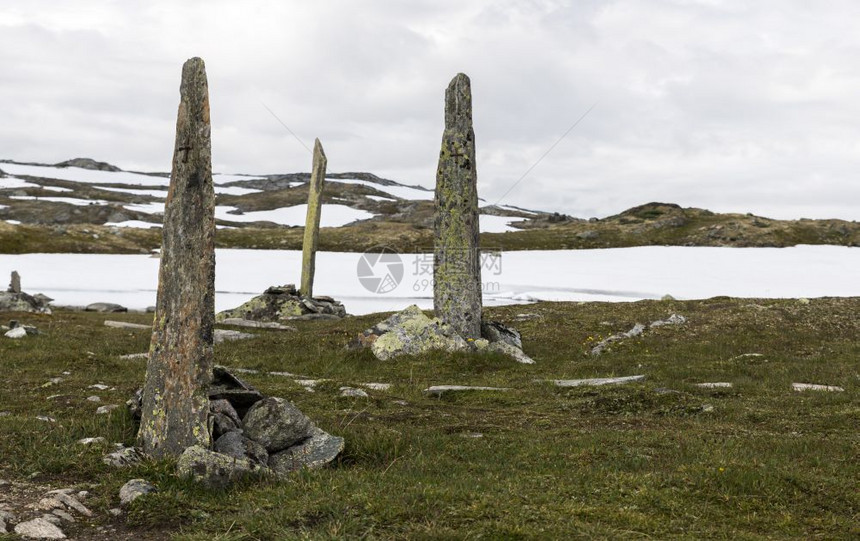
{"x":175,"y":401}
{"x":317,"y":451}
{"x":212,"y":469}
{"x":312,"y":222}
{"x":457,"y":266}
{"x":276,"y":424}
{"x":498,"y":332}
{"x":281,"y":303}
{"x":410,"y":332}
{"x":134,"y":489}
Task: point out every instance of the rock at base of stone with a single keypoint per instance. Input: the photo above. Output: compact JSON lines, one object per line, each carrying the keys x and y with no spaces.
{"x":511,"y":351}
{"x":282,"y":303}
{"x":276,"y":424}
{"x":236,"y":445}
{"x":134,"y":489}
{"x":39,"y":528}
{"x":212,"y":469}
{"x":499,"y":332}
{"x":22,"y":302}
{"x":123,"y":457}
{"x":317,"y":451}
{"x":410,"y":332}
{"x":237,"y":392}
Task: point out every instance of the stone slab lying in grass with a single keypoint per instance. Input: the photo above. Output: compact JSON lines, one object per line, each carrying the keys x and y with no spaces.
{"x":715,"y":385}
{"x":816,"y":387}
{"x":125,"y":325}
{"x":596,"y":381}
{"x":239,"y":322}
{"x":439,"y":390}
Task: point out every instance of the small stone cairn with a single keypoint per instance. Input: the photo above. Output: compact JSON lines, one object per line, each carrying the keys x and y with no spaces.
{"x":458,"y":325}
{"x":15,"y":300}
{"x":284,"y":303}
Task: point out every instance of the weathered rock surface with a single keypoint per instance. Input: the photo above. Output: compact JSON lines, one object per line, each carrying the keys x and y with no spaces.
{"x":125,"y":325}
{"x":238,"y":322}
{"x":511,"y":351}
{"x":17,"y":332}
{"x":39,"y":528}
{"x":175,"y":401}
{"x":312,"y":221}
{"x":316,"y":451}
{"x":134,"y":489}
{"x":240,"y":394}
{"x":499,"y":332}
{"x":457,"y":265}
{"x":816,"y":387}
{"x":14,"y":283}
{"x":276,"y":424}
{"x":22,"y":302}
{"x":229,"y":335}
{"x":212,"y":469}
{"x":283,"y":303}
{"x":410,"y":332}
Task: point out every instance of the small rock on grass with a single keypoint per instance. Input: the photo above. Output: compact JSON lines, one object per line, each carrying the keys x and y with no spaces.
{"x":352,"y":392}
{"x":102,"y":410}
{"x":816,"y":387}
{"x":715,"y":385}
{"x":134,"y":489}
{"x":596,"y":381}
{"x":39,"y":528}
{"x":17,"y":332}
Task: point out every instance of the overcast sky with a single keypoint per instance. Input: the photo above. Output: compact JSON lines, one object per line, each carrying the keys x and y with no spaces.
{"x":729,"y":105}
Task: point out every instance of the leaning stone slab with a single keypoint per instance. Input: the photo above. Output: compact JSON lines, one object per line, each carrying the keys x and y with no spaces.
{"x":125,"y":325}
{"x":596,"y":381}
{"x":511,"y":351}
{"x":439,"y":390}
{"x":317,"y":451}
{"x":815,"y":387}
{"x":715,"y":385}
{"x":239,"y":322}
{"x":213,"y":469}
{"x":39,"y":528}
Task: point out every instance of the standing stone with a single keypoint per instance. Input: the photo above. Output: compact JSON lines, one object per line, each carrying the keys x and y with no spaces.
{"x":456,"y":263}
{"x":312,"y":223}
{"x":15,"y":283}
{"x":175,"y":401}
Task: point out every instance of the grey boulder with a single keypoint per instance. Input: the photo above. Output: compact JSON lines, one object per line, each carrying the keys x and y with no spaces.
{"x":134,"y":489}
{"x":236,"y":445}
{"x":276,"y":424}
{"x":106,"y":307}
{"x":214,"y":470}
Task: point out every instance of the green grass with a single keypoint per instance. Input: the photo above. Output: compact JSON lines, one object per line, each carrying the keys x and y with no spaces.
{"x":757,"y":461}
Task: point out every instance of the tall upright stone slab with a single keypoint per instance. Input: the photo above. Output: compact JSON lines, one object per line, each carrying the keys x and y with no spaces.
{"x":456,"y":264}
{"x":312,"y":222}
{"x":179,"y":370}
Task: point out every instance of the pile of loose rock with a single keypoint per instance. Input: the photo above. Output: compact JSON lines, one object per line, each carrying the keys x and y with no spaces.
{"x":280,"y":303}
{"x":15,"y":300}
{"x":252,"y":434}
{"x":410,"y":332}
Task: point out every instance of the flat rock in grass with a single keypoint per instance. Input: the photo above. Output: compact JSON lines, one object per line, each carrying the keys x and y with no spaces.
{"x":352,"y":392}
{"x":316,"y":451}
{"x":816,"y":387}
{"x":276,"y":424}
{"x":125,"y":325}
{"x":239,"y":322}
{"x":91,"y":441}
{"x":439,"y":390}
{"x":39,"y":528}
{"x":715,"y":385}
{"x":226,"y":335}
{"x":70,"y":501}
{"x":214,"y":470}
{"x":132,"y":356}
{"x":236,"y":445}
{"x":377,"y":386}
{"x":596,"y":381}
{"x":134,"y":489}
{"x":106,"y":307}
{"x":104,"y":410}
{"x":17,"y":332}
{"x":498,"y":332}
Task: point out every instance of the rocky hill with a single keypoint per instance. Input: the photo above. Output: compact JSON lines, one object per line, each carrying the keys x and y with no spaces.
{"x":83,"y":205}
